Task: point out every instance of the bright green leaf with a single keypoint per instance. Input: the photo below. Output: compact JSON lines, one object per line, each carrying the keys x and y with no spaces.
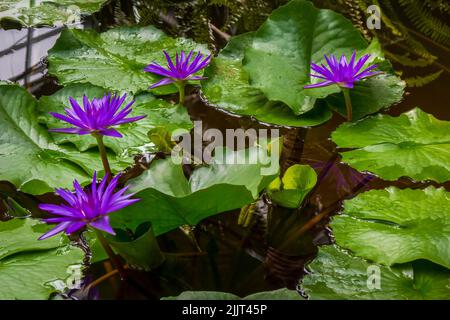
{"x":396,"y":226}
{"x":415,"y":144}
{"x":47,"y":12}
{"x":30,"y":268}
{"x":297,"y":182}
{"x":115,"y":59}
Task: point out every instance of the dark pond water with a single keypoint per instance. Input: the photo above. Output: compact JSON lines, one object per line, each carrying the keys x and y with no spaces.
{"x":273,"y":251}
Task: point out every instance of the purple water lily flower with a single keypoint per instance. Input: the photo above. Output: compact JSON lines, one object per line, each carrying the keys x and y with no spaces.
{"x":341,"y":72}
{"x":90,"y":207}
{"x":97,"y":116}
{"x":183,"y":69}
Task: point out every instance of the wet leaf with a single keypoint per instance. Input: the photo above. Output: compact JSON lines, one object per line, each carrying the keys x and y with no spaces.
{"x":278,"y":59}
{"x":228,"y":88}
{"x":396,"y":226}
{"x":159,"y":113}
{"x":415,"y":145}
{"x":115,"y":59}
{"x":281,"y":68}
{"x":338,"y":275}
{"x":293,"y":187}
{"x":28,"y":156}
{"x":169,"y":200}
{"x":47,"y":12}
{"x":33,"y":269}
{"x":280,"y":294}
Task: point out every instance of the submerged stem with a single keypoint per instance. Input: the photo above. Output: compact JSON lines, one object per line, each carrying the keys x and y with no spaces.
{"x":348,"y":103}
{"x":103,"y":155}
{"x":114,"y":260}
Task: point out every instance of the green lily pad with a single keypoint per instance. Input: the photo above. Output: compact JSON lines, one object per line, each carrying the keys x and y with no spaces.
{"x":415,"y":145}
{"x":28,"y":156}
{"x":169,"y":200}
{"x":115,"y":59}
{"x":228,"y":88}
{"x":338,"y":275}
{"x":280,"y":294}
{"x":33,"y":269}
{"x":159,"y":113}
{"x":31,"y":13}
{"x":291,"y":190}
{"x":278,"y":60}
{"x":396,"y":226}
{"x":141,"y":252}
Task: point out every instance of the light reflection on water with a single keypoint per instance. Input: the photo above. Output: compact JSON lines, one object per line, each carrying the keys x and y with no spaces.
{"x":21,"y":53}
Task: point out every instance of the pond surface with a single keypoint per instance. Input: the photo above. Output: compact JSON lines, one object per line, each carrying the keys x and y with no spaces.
{"x":234,"y":259}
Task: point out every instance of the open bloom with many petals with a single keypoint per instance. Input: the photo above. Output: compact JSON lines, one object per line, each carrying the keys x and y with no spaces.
{"x":183,"y":69}
{"x":97,"y":116}
{"x":90,"y":207}
{"x":341,"y":72}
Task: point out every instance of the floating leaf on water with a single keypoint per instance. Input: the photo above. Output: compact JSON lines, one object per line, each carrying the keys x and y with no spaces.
{"x":414,"y":144}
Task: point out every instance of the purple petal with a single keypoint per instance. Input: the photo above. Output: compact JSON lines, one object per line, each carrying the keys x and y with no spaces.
{"x":121,"y":204}
{"x":162,"y":82}
{"x":111,"y":133}
{"x":198,"y":78}
{"x":361,"y":63}
{"x":127,"y":120}
{"x":367,"y":74}
{"x":169,"y":61}
{"x":67,"y":119}
{"x":71,"y":131}
{"x":58,"y":220}
{"x":352,"y":59}
{"x":348,"y":85}
{"x":157,"y":69}
{"x":59,"y":228}
{"x":102,"y":224}
{"x":57,"y":210}
{"x":75,"y":226}
{"x":318,"y":85}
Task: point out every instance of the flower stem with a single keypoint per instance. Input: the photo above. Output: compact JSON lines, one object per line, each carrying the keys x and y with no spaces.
{"x":181,"y":90}
{"x":112,"y":256}
{"x":348,"y":103}
{"x":104,"y":156}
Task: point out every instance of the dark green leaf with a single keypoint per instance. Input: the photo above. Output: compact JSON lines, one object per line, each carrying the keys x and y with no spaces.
{"x":337,"y":275}
{"x":228,"y":88}
{"x":169,"y":200}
